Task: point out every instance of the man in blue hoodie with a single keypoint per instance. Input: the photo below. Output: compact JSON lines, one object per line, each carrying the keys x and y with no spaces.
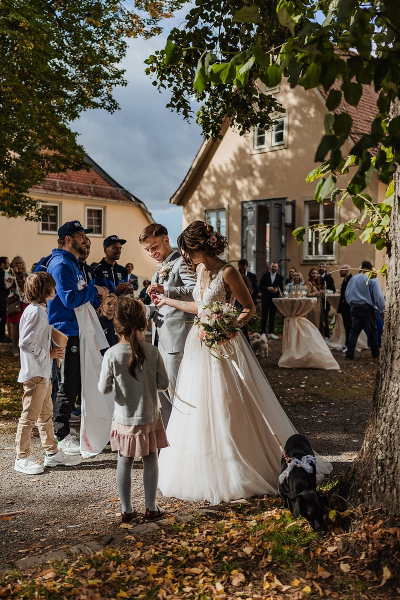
{"x":71,"y":292}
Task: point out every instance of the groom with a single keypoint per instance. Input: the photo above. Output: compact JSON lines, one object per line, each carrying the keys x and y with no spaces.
{"x":170,"y":326}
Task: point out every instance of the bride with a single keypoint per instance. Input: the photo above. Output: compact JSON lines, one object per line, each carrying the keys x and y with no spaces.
{"x":223,"y":450}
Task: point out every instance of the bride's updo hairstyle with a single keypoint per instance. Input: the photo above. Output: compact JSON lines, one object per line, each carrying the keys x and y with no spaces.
{"x":200,"y":237}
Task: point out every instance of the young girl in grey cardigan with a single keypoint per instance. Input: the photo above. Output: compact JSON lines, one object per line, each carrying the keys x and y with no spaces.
{"x":135,"y":369}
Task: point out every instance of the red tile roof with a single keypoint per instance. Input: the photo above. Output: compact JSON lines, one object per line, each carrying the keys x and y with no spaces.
{"x":94,"y":182}
{"x":363,"y":114}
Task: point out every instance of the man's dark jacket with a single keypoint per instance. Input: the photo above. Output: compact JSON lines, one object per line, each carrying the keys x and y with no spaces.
{"x":265,"y":283}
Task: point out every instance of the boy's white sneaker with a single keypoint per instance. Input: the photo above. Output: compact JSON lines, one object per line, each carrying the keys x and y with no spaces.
{"x":272,"y":336}
{"x":28,"y":466}
{"x":70,"y":445}
{"x":263,"y":336}
{"x":60,"y":459}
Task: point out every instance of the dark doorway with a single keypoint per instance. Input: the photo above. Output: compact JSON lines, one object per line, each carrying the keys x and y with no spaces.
{"x":263,"y":234}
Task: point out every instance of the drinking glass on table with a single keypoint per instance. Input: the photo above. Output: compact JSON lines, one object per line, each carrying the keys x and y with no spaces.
{"x":286,"y":291}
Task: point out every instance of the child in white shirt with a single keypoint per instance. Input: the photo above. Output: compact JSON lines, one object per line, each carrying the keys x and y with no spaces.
{"x":35,"y":374}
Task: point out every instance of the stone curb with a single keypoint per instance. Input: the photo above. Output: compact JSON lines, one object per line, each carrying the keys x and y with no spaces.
{"x":30,"y":562}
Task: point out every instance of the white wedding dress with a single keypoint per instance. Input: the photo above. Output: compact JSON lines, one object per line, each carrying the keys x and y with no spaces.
{"x":223,"y":450}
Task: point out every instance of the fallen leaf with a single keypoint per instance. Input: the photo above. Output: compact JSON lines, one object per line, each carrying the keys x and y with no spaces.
{"x":345,"y":567}
{"x":237,"y":579}
{"x":306,"y":589}
{"x":295,"y":582}
{"x":219,"y":587}
{"x":248,"y":549}
{"x":152,"y":570}
{"x":386,"y":575}
{"x":332,"y":548}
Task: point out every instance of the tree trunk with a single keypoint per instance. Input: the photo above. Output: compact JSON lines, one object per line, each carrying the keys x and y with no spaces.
{"x":374,"y":479}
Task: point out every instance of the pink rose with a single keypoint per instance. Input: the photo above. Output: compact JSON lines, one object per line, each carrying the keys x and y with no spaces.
{"x":202,"y":334}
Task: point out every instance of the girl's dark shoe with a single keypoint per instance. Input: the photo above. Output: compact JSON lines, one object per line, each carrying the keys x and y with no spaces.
{"x":154,"y":515}
{"x":128,"y":517}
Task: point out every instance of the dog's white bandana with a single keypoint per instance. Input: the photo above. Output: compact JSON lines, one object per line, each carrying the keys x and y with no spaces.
{"x":305,"y":463}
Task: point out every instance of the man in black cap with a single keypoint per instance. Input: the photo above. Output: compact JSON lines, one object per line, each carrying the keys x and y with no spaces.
{"x":108,"y":272}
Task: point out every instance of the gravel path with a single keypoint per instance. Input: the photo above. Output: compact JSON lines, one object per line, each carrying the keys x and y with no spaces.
{"x":68,"y":506}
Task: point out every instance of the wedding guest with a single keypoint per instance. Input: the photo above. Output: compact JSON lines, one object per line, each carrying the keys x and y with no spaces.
{"x":243,"y":267}
{"x":4,"y":266}
{"x":315,"y":290}
{"x":366,"y":300}
{"x":87,"y":270}
{"x":108,"y":273}
{"x":344,"y":307}
{"x":15,"y":281}
{"x":135,"y":369}
{"x":296,"y":281}
{"x":327,"y":283}
{"x":36,"y":361}
{"x":143,"y":296}
{"x":290,"y":275}
{"x":271,"y":286}
{"x":71,"y":292}
{"x":106,"y":318}
{"x":132,"y":278}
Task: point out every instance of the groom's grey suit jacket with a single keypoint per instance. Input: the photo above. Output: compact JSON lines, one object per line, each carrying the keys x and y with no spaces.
{"x":170,"y":324}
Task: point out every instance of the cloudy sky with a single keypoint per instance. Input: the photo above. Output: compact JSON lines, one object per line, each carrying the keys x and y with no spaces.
{"x":144,"y":146}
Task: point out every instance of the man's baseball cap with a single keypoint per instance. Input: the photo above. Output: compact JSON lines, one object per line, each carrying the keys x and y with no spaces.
{"x":71,"y":227}
{"x":111,"y":239}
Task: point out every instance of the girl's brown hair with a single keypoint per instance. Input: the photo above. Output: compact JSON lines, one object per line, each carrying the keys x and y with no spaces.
{"x":38,"y":287}
{"x":130,"y":322}
{"x":105,"y":299}
{"x":200,"y":237}
{"x":316,"y":282}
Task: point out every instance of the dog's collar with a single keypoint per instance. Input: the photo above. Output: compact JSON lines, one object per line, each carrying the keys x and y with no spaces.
{"x":307,"y":463}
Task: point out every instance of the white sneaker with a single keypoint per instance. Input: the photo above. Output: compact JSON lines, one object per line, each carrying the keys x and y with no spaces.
{"x":60,"y":459}
{"x":344,"y":349}
{"x":28,"y":466}
{"x":272,"y":336}
{"x":263,"y":336}
{"x":70,"y":445}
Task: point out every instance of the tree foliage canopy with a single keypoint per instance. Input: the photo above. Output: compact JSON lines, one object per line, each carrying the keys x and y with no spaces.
{"x":58,"y":58}
{"x":223,"y":51}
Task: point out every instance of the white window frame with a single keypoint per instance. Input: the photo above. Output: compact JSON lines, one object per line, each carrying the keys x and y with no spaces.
{"x":317,"y":257}
{"x":216,"y":210}
{"x":273,"y":143}
{"x":102,"y":209}
{"x":256,"y":135}
{"x":270,"y":145}
{"x":48,"y":205}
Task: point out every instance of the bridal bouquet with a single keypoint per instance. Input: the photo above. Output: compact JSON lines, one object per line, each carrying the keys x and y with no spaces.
{"x":217,"y":324}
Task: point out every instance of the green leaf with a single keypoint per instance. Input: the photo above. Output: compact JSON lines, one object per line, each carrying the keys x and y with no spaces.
{"x":332,"y":515}
{"x":347,"y":237}
{"x":299,"y":234}
{"x":200,"y":80}
{"x":325,"y":187}
{"x":260,"y":55}
{"x":318,"y":172}
{"x":247,"y":66}
{"x":327,"y":143}
{"x":358,"y":202}
{"x":222,"y":72}
{"x":173,"y":53}
{"x":352,"y":92}
{"x":311,"y":78}
{"x":350,"y":161}
{"x":329,"y":120}
{"x":247,"y":14}
{"x":345,"y":9}
{"x":333,"y":100}
{"x":285,"y":16}
{"x":271,"y":76}
{"x":342,"y":124}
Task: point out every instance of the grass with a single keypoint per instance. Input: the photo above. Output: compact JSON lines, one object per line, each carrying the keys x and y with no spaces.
{"x":10,"y":389}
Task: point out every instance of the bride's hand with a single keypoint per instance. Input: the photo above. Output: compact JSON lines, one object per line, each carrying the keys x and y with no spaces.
{"x":159,"y":300}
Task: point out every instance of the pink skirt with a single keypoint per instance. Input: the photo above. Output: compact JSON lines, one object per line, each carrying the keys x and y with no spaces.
{"x":138,"y":440}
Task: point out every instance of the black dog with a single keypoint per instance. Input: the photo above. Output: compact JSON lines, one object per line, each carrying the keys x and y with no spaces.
{"x":298,"y":489}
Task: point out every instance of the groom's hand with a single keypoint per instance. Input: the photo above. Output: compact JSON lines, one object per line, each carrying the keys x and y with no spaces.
{"x":155,"y":288}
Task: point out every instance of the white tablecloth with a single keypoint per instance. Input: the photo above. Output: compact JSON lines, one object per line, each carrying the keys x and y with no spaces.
{"x":303,"y":346}
{"x":338,"y":337}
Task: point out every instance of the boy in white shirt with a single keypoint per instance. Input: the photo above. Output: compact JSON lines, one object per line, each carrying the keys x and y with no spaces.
{"x":36,"y":360}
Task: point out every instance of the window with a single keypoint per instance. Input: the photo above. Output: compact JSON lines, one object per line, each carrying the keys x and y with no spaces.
{"x":217,"y":218}
{"x":274,"y":138}
{"x":278,"y":132}
{"x":50,"y":222}
{"x":319,"y":213}
{"x":94,"y":220}
{"x":260,"y":138}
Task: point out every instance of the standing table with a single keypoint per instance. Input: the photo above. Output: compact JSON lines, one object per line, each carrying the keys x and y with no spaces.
{"x":303,"y":346}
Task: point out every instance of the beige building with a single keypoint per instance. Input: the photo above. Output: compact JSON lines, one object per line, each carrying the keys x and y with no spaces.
{"x":98,"y":202}
{"x":253,"y":188}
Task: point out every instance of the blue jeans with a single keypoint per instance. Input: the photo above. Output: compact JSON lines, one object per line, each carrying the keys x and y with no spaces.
{"x":363,"y":315}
